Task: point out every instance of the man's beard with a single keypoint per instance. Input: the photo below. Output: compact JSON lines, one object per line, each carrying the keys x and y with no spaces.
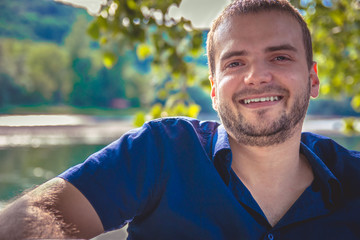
{"x":264,"y":134}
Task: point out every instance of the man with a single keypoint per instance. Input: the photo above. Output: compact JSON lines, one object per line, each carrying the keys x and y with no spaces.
{"x":253,"y":177}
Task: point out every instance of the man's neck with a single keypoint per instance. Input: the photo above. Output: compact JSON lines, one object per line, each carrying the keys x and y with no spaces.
{"x":275,"y":175}
{"x":254,"y":163}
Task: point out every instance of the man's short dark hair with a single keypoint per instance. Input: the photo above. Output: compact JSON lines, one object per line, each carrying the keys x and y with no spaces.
{"x":242,"y":7}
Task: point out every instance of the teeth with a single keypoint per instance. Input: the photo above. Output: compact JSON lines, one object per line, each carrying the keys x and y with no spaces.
{"x":263,"y":99}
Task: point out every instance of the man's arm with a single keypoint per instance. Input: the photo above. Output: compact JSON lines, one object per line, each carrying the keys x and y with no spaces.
{"x":55,"y":209}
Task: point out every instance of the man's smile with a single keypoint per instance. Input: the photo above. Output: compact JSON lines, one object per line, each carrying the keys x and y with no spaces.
{"x":261,"y":99}
{"x":265,"y":96}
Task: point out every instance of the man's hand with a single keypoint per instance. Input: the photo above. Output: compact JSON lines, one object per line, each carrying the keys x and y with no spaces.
{"x":55,"y":209}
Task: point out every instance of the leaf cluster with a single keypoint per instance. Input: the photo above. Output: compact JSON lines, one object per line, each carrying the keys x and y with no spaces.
{"x":335,"y":28}
{"x":145,"y":26}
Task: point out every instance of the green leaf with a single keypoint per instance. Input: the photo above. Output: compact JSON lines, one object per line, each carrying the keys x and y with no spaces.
{"x":109,"y":59}
{"x":179,"y":110}
{"x":337,"y":17}
{"x":355,"y":102}
{"x":156,"y":111}
{"x":132,"y":4}
{"x":349,"y":126}
{"x":143,"y":51}
{"x":193,"y":110}
{"x":325,"y":89}
{"x":103,"y":40}
{"x":93,"y":30}
{"x":139,"y":119}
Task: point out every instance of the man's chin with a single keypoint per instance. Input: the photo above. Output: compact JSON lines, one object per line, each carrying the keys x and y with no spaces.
{"x":261,"y":126}
{"x":261,"y":132}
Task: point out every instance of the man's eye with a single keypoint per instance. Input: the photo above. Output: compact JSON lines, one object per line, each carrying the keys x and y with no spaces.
{"x":233,"y":64}
{"x":281,"y":58}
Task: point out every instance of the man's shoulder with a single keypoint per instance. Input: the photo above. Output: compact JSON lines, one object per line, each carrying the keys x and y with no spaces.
{"x":329,"y":150}
{"x":183,"y":123}
{"x":326,"y":145}
{"x":342,"y":162}
{"x":170,"y":131}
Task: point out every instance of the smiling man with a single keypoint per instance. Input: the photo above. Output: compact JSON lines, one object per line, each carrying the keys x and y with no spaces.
{"x":254,"y":176}
{"x":261,"y":87}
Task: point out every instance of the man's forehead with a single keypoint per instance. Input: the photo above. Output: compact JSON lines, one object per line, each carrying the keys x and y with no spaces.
{"x":235,"y":23}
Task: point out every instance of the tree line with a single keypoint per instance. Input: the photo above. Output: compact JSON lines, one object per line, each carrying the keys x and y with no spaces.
{"x":33,"y":72}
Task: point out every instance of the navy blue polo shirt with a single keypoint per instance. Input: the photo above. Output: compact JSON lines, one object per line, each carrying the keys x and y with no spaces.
{"x":172,"y":179}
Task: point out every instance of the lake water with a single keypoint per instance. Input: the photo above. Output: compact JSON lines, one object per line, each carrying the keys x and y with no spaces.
{"x":25,"y":167}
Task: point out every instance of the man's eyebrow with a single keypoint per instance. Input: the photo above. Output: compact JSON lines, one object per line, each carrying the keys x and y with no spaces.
{"x":281,"y":47}
{"x":231,"y":54}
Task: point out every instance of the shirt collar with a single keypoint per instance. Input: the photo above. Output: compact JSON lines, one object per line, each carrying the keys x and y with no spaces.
{"x":324,"y":178}
{"x":220,"y":142}
{"x":328,"y":183}
{"x":221,"y":154}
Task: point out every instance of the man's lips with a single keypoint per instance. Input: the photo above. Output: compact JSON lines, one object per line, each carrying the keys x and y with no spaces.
{"x":268,"y":95}
{"x":263,"y":99}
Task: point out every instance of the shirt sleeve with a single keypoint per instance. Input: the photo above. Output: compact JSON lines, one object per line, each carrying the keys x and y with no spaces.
{"x":119,"y":180}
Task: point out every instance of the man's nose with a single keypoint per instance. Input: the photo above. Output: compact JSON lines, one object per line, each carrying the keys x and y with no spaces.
{"x":258,"y":73}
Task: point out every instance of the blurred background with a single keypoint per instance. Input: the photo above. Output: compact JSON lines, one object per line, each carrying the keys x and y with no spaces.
{"x":75,"y":75}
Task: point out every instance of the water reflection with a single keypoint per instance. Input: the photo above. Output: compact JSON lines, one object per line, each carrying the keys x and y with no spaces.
{"x":24,"y":167}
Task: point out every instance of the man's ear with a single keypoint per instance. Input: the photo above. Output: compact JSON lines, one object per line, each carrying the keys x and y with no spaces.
{"x":213,"y":92}
{"x":314,"y":80}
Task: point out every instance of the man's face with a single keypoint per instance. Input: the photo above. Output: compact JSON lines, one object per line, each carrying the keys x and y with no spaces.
{"x":262,"y":84}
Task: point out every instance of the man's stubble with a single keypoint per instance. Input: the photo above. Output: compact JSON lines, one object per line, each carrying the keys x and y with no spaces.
{"x":263,"y":133}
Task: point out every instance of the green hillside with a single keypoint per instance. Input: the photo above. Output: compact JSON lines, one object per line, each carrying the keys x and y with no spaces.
{"x":41,"y":20}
